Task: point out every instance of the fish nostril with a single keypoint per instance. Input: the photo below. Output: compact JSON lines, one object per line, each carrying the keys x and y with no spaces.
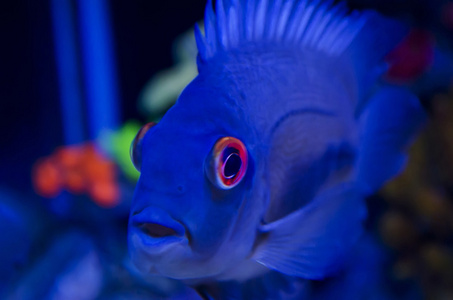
{"x":180,"y":189}
{"x":157,"y":230}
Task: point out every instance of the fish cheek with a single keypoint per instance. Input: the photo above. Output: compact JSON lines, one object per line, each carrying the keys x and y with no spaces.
{"x":221,"y":209}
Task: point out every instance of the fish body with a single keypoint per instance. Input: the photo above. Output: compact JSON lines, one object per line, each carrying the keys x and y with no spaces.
{"x":263,"y":162}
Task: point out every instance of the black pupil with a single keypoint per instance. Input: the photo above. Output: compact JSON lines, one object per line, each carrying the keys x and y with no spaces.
{"x":232,"y":165}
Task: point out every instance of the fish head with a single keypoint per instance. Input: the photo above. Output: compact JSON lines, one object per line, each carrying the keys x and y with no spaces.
{"x":196,"y":190}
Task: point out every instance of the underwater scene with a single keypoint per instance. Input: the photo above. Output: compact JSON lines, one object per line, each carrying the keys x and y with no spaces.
{"x":226,"y":149}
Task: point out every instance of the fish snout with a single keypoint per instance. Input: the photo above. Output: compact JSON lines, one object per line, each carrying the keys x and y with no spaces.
{"x":156,"y":227}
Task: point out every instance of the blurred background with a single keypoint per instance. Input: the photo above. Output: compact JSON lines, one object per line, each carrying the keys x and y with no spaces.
{"x":78,"y":78}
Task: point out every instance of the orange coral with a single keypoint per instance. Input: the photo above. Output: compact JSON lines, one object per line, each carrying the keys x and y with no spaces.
{"x":78,"y":169}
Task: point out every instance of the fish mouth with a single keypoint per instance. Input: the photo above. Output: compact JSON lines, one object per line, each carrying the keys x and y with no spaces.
{"x":156,"y":228}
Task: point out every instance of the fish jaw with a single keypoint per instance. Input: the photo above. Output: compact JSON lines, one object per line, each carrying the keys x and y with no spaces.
{"x":154,"y":237}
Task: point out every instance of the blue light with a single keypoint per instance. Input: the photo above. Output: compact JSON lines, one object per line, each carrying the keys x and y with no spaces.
{"x":100,"y":73}
{"x":68,"y":72}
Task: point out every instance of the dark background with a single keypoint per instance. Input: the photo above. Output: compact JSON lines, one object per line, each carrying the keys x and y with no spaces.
{"x":30,"y":120}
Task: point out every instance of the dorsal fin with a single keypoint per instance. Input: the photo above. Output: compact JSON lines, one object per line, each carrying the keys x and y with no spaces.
{"x":305,"y":23}
{"x":359,"y":38}
{"x":315,"y":24}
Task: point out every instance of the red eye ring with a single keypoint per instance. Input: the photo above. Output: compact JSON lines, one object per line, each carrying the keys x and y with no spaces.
{"x":135,"y":151}
{"x":227,"y":163}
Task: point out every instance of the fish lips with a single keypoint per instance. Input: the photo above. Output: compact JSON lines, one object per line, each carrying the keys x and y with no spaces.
{"x":156,"y":230}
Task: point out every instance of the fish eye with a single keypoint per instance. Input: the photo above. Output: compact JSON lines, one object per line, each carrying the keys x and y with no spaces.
{"x":227,"y":163}
{"x":135,"y":150}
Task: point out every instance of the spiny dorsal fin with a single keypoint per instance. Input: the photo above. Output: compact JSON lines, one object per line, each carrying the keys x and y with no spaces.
{"x":315,"y":24}
{"x":360,"y":39}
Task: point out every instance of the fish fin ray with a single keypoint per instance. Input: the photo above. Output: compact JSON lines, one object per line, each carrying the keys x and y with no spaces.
{"x":200,"y":40}
{"x":316,"y":25}
{"x":210,"y":31}
{"x":260,"y":19}
{"x":273,"y":19}
{"x":223,"y":33}
{"x":298,"y":14}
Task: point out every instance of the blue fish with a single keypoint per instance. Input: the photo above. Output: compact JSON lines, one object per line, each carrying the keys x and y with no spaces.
{"x":265,"y":159}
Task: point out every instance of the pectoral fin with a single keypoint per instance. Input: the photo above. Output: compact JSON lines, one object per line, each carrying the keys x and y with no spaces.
{"x":312,"y":241}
